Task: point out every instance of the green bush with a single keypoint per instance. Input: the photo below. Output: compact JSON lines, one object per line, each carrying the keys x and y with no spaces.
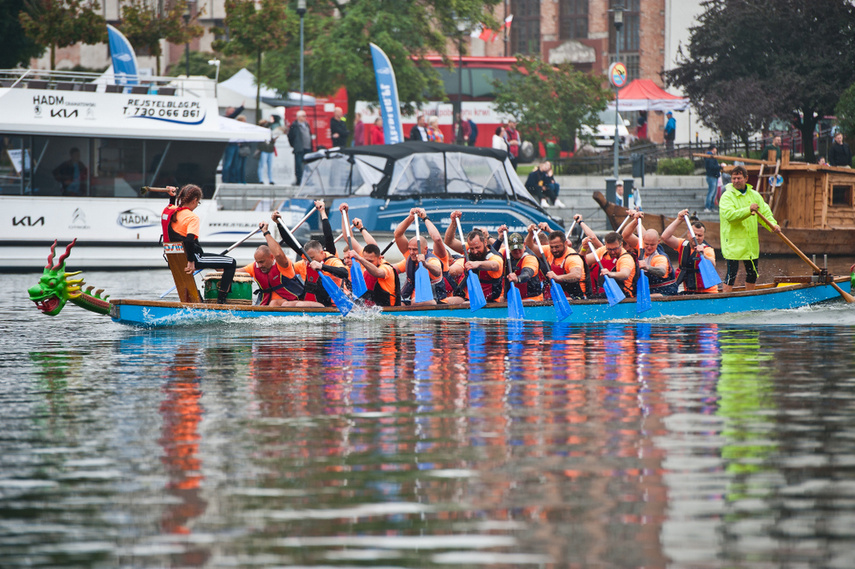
{"x":675,"y":167}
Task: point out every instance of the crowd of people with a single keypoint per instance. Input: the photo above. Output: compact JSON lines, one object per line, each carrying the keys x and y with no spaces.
{"x":537,"y":257}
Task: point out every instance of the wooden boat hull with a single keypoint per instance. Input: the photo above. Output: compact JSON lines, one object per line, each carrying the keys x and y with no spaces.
{"x":833,"y":242}
{"x":150,"y":314}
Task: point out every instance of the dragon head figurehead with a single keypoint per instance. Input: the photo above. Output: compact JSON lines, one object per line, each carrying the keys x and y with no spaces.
{"x":55,"y":288}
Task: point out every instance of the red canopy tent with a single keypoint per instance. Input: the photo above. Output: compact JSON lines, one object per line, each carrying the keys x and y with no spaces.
{"x":645,"y":95}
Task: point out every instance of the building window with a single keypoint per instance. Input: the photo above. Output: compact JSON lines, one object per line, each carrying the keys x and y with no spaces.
{"x":525,"y":30}
{"x":629,"y":40}
{"x":573,"y":19}
{"x":842,"y":195}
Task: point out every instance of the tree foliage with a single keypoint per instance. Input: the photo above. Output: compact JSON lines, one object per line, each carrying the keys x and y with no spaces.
{"x":253,"y":30}
{"x":145,"y":24}
{"x":794,"y":54}
{"x":845,"y":111}
{"x":337,"y":53}
{"x":551,"y":102}
{"x":16,"y":48}
{"x":61,"y":23}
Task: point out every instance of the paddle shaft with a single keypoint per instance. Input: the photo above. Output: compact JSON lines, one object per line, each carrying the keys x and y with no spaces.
{"x":846,"y":296}
{"x":691,"y":231}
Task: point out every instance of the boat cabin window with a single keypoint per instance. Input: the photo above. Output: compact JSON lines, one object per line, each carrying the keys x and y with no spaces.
{"x":842,"y":195}
{"x":336,"y":175}
{"x":103,"y":167}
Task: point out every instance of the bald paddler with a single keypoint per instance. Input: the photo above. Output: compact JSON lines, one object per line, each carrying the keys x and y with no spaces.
{"x":417,"y":253}
{"x":653,"y":260}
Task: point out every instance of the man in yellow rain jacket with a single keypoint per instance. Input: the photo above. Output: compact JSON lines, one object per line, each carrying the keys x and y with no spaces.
{"x":739,"y":240}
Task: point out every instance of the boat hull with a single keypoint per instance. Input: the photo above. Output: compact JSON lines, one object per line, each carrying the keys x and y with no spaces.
{"x":151,"y":314}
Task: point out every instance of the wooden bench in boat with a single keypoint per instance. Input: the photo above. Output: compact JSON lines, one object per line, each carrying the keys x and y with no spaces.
{"x":185,"y":284}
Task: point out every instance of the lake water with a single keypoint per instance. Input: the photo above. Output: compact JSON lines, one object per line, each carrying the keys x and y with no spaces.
{"x":722,"y":443}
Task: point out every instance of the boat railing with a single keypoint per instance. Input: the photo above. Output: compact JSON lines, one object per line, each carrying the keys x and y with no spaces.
{"x":252,"y":197}
{"x":97,"y":82}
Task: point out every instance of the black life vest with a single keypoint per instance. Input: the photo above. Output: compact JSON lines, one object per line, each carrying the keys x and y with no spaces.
{"x":690,"y":261}
{"x":533,"y":286}
{"x":439,"y":287}
{"x":667,"y":284}
{"x":492,"y":287}
{"x":275,"y":281}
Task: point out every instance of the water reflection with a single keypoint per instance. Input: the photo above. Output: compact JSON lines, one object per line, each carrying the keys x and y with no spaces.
{"x":422,"y":443}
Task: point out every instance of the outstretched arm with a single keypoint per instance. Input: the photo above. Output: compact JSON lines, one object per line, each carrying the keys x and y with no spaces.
{"x":450,"y":238}
{"x":400,"y":234}
{"x":590,"y":233}
{"x":329,"y":240}
{"x":278,"y":254}
{"x":438,"y":245}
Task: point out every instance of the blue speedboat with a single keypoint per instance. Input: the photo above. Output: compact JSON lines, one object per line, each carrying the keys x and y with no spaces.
{"x":382,"y":183}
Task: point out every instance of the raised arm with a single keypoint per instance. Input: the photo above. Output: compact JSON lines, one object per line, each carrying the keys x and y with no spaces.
{"x":450,"y":239}
{"x":668,"y":237}
{"x":329,"y":239}
{"x":278,"y":254}
{"x":438,"y":244}
{"x":592,"y":237}
{"x":354,"y":245}
{"x":629,"y":232}
{"x":400,"y":234}
{"x":360,"y":228}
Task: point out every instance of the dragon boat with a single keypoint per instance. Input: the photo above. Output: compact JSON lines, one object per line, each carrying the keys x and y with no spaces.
{"x":57,"y":287}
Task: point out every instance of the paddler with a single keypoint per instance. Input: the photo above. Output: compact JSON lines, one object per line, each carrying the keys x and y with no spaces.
{"x":618,"y":264}
{"x":523,"y":270}
{"x":275,"y":276}
{"x":384,"y":289}
{"x":180,"y":223}
{"x":483,"y":261}
{"x":416,"y":254}
{"x":563,"y":263}
{"x":689,"y":255}
{"x":654,"y":262}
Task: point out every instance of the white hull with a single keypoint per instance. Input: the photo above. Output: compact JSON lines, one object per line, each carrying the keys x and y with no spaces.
{"x":112,"y":233}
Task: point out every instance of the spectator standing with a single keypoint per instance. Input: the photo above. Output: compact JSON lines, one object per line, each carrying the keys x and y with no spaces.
{"x":500,"y":141}
{"x":514,"y":141}
{"x":300,"y":138}
{"x":713,"y":171}
{"x":840,"y":155}
{"x":434,"y":132}
{"x":232,"y":147}
{"x":774,"y":146}
{"x":72,"y":174}
{"x":473,"y":133}
{"x":461,"y":131}
{"x":670,"y":131}
{"x":238,"y":170}
{"x":374,"y":133}
{"x":419,"y":130}
{"x":641,"y":121}
{"x":267,"y":149}
{"x":338,"y":130}
{"x":358,"y":131}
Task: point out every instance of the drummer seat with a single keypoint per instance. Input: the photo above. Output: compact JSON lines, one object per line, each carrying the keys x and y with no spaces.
{"x":185,"y":284}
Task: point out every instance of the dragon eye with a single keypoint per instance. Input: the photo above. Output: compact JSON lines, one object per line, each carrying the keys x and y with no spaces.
{"x":51,"y":283}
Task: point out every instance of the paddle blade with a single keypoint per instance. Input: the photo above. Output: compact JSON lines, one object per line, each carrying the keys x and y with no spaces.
{"x":613,"y":292}
{"x":642,"y":301}
{"x":476,"y":294}
{"x":342,"y":303}
{"x":423,"y":292}
{"x":559,"y":301}
{"x":515,"y":305}
{"x":357,"y":280}
{"x":708,"y":273}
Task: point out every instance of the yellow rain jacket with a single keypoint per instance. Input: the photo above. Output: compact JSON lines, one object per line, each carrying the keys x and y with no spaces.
{"x":739,"y":240}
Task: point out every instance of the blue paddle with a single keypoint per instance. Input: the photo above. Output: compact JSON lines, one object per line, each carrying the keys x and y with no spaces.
{"x":559,"y":300}
{"x":473,"y":283}
{"x":357,"y":279}
{"x":515,"y":305}
{"x":423,"y":292}
{"x":642,"y":298}
{"x":613,"y":292}
{"x":708,"y":273}
{"x":342,"y":303}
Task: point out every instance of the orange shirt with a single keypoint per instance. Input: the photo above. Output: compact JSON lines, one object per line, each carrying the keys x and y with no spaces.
{"x":185,"y":222}
{"x":300,"y":268}
{"x":623,"y":262}
{"x":387,"y":281}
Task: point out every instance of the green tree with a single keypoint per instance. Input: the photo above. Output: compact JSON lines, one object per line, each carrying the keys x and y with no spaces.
{"x":794,"y":53}
{"x":145,"y":24}
{"x":254,"y":31}
{"x":61,"y":23}
{"x":337,"y":52}
{"x":551,"y":102}
{"x":845,"y":111}
{"x":16,"y":48}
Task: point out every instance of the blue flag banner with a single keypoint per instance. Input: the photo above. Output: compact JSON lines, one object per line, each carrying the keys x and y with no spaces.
{"x":387,"y":93}
{"x":124,"y":59}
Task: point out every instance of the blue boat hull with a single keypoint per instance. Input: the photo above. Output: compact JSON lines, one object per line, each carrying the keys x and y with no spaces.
{"x":151,"y":314}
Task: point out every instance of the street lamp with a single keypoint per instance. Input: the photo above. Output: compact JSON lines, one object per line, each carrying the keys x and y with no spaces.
{"x":301,"y":11}
{"x":216,"y":74}
{"x":618,"y":21}
{"x":186,"y":17}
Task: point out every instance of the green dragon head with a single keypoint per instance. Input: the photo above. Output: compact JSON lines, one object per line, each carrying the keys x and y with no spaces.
{"x":55,"y":288}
